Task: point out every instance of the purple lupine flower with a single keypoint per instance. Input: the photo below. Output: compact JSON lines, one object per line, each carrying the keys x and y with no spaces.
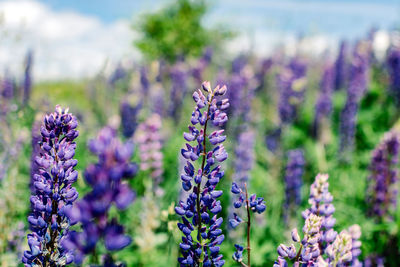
{"x":200,"y":210}
{"x":393,"y":65}
{"x":321,"y":205}
{"x":179,"y":89}
{"x":357,"y":87}
{"x":293,"y":181}
{"x":107,"y":189}
{"x":340,"y":66}
{"x":355,"y":233}
{"x":383,"y":179}
{"x":291,"y":82}
{"x":252,"y":203}
{"x":27,"y":84}
{"x":309,"y":252}
{"x":129,"y":117}
{"x":150,"y":144}
{"x":53,"y":195}
{"x":244,"y":156}
{"x":323,"y":106}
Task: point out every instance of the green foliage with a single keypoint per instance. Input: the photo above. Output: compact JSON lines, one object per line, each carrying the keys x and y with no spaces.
{"x":177,"y":31}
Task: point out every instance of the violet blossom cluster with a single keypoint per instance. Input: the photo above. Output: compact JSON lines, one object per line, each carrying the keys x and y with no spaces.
{"x":199,"y":212}
{"x":293,"y":181}
{"x":393,"y":65}
{"x":150,"y":144}
{"x":53,"y":193}
{"x":106,"y":179}
{"x":383,"y":179}
{"x":291,"y":83}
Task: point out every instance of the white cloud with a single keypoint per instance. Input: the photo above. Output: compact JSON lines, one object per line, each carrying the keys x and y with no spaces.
{"x":65,"y":44}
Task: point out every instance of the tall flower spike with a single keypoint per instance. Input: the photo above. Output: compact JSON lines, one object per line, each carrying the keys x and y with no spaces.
{"x":53,"y":192}
{"x":107,"y":189}
{"x":321,"y":205}
{"x":383,"y":179}
{"x":254,"y":204}
{"x":200,"y":210}
{"x":293,"y":181}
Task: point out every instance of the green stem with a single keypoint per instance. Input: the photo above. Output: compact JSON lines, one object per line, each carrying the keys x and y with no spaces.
{"x":200,"y":263}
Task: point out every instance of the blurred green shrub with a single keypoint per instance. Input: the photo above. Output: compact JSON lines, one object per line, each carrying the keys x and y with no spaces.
{"x":177,"y":31}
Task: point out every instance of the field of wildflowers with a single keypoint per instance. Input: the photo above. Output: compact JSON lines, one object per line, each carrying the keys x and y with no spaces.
{"x":286,"y":160}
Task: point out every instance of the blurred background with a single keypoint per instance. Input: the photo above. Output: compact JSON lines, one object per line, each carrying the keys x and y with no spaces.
{"x":314,"y":86}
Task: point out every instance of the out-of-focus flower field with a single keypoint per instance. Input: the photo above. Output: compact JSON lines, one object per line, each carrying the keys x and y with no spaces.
{"x":290,"y":117}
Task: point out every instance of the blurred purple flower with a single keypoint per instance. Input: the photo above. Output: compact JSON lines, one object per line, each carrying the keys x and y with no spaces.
{"x":129,"y":117}
{"x":341,"y":66}
{"x":244,"y":157}
{"x":393,"y":65}
{"x":383,"y":179}
{"x":359,"y":71}
{"x":150,"y":143}
{"x":293,"y":181}
{"x":27,"y":83}
{"x":291,"y":83}
{"x":107,"y":189}
{"x":323,"y":106}
{"x":179,"y":76}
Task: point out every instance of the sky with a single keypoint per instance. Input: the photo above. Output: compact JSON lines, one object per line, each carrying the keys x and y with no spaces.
{"x":75,"y":38}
